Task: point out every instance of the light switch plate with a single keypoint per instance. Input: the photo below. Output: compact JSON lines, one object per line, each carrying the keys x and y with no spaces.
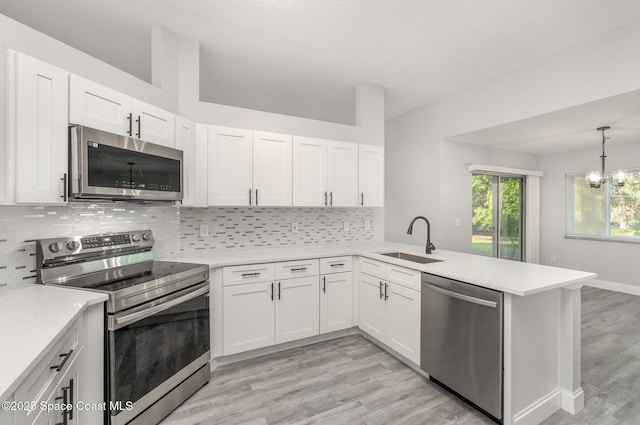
{"x":458,"y":222}
{"x":367,"y":225}
{"x":294,"y":227}
{"x":346,"y":226}
{"x":204,"y":230}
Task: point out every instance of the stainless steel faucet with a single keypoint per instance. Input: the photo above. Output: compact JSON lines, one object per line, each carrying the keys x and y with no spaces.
{"x":430,"y":246}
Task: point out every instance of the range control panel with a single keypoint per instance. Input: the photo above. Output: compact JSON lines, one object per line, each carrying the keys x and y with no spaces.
{"x":78,"y":245}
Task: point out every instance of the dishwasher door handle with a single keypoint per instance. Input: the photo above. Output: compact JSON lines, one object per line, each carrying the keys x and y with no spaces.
{"x":462,"y":297}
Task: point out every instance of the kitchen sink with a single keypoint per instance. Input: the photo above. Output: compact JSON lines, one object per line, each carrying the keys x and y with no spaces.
{"x":410,"y":257}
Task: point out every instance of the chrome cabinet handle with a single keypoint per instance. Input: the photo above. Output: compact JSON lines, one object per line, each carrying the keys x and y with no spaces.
{"x":279,"y":290}
{"x":324,"y":284}
{"x":256,"y":196}
{"x":325,"y":199}
{"x":386,"y":285}
{"x":250,"y":274}
{"x":362,"y":199}
{"x":66,"y":356}
{"x":250,"y":192}
{"x":138,"y":121}
{"x":299,"y":269}
{"x":380,"y":289}
{"x":330,"y":199}
{"x":271,"y":291}
{"x":336,"y":265}
{"x":64,"y":187}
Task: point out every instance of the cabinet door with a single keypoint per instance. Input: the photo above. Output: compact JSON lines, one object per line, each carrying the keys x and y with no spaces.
{"x":248,"y":317}
{"x":309,"y":172}
{"x":371,"y":175}
{"x":272,"y":169}
{"x":372,"y":306}
{"x":335,"y":302}
{"x":230,"y":166}
{"x":41,"y":132}
{"x":153,"y":124}
{"x":99,"y":107}
{"x":297,"y":308}
{"x":342,"y":168}
{"x":403,"y":321}
{"x":186,"y":142}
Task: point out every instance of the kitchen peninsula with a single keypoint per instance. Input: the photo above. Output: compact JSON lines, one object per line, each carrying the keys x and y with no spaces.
{"x":541,"y":315}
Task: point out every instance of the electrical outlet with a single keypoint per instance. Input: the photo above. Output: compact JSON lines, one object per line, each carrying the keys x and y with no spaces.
{"x":367,"y":225}
{"x":553,"y":258}
{"x":294,"y":227}
{"x":346,"y":226}
{"x":458,"y":222}
{"x":204,"y":230}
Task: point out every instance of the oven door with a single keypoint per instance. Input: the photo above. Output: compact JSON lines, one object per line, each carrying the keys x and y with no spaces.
{"x":153,"y":348}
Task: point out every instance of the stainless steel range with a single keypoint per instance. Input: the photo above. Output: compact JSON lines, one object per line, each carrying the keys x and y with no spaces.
{"x":157,"y":347}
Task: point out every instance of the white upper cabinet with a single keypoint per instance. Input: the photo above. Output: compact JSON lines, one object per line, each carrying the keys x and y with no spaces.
{"x":248,"y":168}
{"x":100,"y":107}
{"x":230,"y":157}
{"x":309,"y":172}
{"x":41,"y":132}
{"x":371,"y":175}
{"x":271,"y":169}
{"x":342,"y":165}
{"x":325,"y":173}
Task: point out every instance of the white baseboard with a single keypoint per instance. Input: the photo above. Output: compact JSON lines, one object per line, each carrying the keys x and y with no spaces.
{"x":614,"y":286}
{"x":572,"y":402}
{"x":539,"y":410}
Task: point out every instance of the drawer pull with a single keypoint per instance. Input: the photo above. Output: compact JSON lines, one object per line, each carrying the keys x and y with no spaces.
{"x":251,"y":274}
{"x":66,"y":356}
{"x":299,"y":269}
{"x":337,"y":265}
{"x":324,"y":284}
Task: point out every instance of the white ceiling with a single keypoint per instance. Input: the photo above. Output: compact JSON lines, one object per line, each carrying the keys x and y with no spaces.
{"x":304,"y":58}
{"x":566,"y":129}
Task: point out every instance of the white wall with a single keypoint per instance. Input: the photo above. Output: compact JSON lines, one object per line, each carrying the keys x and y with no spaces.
{"x":613,"y":261}
{"x":426,"y":175}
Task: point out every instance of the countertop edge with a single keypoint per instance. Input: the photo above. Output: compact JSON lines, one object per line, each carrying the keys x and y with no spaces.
{"x":11,"y":388}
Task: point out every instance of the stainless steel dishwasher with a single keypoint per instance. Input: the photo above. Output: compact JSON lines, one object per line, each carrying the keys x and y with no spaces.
{"x":461,"y":340}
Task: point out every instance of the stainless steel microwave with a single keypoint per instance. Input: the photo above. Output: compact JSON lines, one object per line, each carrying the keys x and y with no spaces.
{"x":109,"y":166}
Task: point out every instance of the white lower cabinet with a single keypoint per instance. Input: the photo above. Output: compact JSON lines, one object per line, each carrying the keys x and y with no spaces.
{"x":260,"y":314}
{"x":336,"y":294}
{"x":70,"y":372}
{"x":248,"y":317}
{"x":390,"y":312}
{"x":296,"y":309}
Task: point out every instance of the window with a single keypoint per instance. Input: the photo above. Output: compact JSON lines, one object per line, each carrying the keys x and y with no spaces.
{"x":604,"y":213}
{"x":498,"y":216}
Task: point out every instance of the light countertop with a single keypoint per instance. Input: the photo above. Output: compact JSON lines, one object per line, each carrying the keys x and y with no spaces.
{"x":33,"y":318}
{"x":508,"y":276}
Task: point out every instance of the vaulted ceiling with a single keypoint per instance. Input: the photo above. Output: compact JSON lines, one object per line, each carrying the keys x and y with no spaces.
{"x":304,"y":58}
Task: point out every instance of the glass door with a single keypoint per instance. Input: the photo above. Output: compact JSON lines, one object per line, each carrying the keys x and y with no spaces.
{"x":498,"y":216}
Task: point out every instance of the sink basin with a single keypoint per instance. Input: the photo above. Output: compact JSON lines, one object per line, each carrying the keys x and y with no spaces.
{"x":410,"y":257}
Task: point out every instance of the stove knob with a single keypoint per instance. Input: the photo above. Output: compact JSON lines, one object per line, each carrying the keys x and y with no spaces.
{"x":72,"y":245}
{"x":135,"y":238}
{"x":54,"y":247}
{"x":145,"y":236}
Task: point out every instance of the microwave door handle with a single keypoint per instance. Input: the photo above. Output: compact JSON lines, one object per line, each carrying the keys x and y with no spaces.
{"x":119,"y":322}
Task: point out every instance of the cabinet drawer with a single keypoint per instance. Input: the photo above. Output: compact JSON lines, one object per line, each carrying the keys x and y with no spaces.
{"x":250,"y":273}
{"x":299,"y":268}
{"x":372,"y":267}
{"x":335,"y":265}
{"x":45,"y":376}
{"x":406,"y":277}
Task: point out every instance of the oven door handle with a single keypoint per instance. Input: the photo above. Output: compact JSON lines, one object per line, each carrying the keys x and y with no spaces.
{"x":117,"y":322}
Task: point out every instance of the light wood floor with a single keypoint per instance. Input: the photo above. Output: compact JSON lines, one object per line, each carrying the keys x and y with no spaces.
{"x":352,"y":381}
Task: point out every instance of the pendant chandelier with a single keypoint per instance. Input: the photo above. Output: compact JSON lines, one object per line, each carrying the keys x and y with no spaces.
{"x":597,"y":178}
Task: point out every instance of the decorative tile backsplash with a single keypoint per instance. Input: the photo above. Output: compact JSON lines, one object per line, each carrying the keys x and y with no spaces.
{"x":176,"y":230}
{"x":271,"y":227}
